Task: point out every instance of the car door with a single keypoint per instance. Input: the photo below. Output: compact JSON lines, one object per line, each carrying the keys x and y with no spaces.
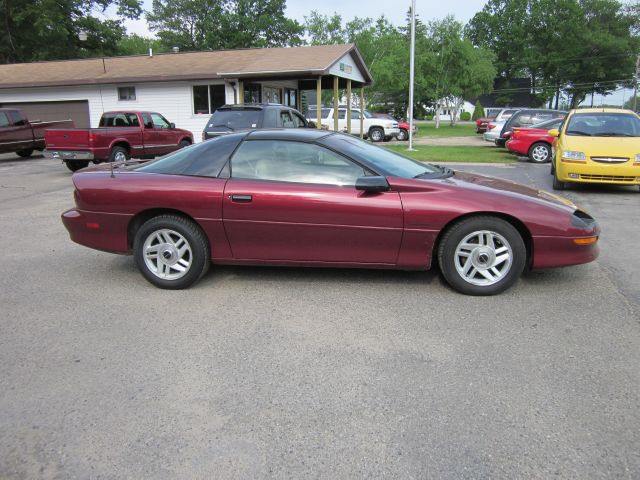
{"x":164,"y":137}
{"x":294,"y":201}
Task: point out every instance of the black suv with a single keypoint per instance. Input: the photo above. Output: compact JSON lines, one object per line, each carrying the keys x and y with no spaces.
{"x":237,"y":118}
{"x":526,"y":118}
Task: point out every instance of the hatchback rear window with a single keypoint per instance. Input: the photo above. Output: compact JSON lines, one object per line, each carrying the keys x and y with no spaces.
{"x":235,"y":119}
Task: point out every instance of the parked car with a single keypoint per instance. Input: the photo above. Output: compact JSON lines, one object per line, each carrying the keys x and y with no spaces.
{"x":375,"y":129}
{"x":525,"y":118}
{"x":19,"y":135}
{"x":535,"y":141}
{"x":236,"y":118}
{"x":597,"y":145}
{"x":495,"y":126}
{"x":402,"y":125}
{"x":481,"y":123}
{"x":315,"y":198}
{"x":120,"y":135}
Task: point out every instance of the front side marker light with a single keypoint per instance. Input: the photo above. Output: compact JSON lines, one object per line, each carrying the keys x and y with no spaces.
{"x":585,"y":240}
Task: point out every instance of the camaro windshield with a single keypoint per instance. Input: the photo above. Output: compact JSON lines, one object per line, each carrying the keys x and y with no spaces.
{"x":384,"y":161}
{"x":604,"y":125}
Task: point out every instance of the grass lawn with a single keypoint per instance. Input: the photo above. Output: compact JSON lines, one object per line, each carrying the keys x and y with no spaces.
{"x":434,"y":154}
{"x":446,"y":130}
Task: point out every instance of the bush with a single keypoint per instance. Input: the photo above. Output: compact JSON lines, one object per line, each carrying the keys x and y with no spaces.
{"x":465,"y":116}
{"x":478,"y":111}
{"x":428,"y":117}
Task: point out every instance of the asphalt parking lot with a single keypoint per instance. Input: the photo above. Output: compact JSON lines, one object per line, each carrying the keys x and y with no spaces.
{"x":298,"y":373}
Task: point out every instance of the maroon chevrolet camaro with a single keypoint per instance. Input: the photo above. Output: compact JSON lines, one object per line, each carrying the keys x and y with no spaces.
{"x":316,"y":198}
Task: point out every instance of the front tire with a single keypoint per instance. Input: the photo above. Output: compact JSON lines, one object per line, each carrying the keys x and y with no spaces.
{"x":76,"y":165}
{"x":184,"y":143}
{"x":25,"y":153}
{"x":403,"y":136}
{"x":482,"y":255}
{"x":540,"y":152}
{"x":557,"y":184}
{"x":376,"y":134}
{"x":171,"y":252}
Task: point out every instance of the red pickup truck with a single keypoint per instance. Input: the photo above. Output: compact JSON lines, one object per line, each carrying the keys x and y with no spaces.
{"x":120,"y":136}
{"x":19,"y":135}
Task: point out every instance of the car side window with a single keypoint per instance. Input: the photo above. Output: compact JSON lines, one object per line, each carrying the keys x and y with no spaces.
{"x":285,"y":119}
{"x":342,"y":114}
{"x":17,"y":118}
{"x":4,"y":121}
{"x":298,"y":121}
{"x":287,"y":161}
{"x":133,"y":119}
{"x":146,"y":118}
{"x":159,"y":121}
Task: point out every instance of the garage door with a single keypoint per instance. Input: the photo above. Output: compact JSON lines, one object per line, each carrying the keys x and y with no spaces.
{"x":78,"y":111}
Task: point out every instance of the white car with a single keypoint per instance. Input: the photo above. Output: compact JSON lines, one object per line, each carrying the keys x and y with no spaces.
{"x":376,"y":129}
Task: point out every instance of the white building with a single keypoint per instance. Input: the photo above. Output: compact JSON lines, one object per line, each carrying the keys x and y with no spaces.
{"x":184,"y":87}
{"x":456,"y":106}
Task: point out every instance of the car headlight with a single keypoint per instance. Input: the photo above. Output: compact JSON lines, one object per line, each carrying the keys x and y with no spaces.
{"x":637,"y":157}
{"x":573,"y":155}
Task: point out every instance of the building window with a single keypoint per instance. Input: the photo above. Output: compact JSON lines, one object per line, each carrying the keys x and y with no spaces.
{"x":252,"y":93}
{"x":208,"y":98}
{"x":126,"y":93}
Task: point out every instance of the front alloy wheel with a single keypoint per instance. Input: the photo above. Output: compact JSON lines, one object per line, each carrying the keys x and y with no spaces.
{"x":171,"y":251}
{"x":482,"y":255}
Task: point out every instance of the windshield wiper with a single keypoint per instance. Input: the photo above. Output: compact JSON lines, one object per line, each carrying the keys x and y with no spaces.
{"x":578,"y":132}
{"x":613,"y":134}
{"x":445,"y":172}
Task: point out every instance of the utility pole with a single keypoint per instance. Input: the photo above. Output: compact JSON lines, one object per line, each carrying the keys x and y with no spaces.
{"x":412,"y":71}
{"x":635,"y":86}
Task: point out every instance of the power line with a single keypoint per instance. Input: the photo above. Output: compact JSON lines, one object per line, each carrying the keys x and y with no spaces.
{"x":554,"y":87}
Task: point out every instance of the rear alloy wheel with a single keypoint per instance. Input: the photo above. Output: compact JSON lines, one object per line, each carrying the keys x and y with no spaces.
{"x":119,"y":155}
{"x":540,"y":152}
{"x":75,"y":165}
{"x":171,"y":252}
{"x":403,"y":135}
{"x":376,"y":134}
{"x":25,"y":153}
{"x":482,"y":255}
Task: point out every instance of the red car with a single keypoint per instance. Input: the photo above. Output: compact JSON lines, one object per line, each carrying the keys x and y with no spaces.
{"x":324,"y":199}
{"x":121,"y":135}
{"x":482,"y":124}
{"x":535,"y":141}
{"x":403,"y":126}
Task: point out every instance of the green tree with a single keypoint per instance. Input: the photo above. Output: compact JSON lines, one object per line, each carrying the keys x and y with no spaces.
{"x":34,"y":30}
{"x":137,"y":45}
{"x":219,"y":24}
{"x":630,"y":104}
{"x":478,"y":111}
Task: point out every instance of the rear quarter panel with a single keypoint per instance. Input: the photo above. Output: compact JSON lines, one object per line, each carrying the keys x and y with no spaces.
{"x":115,"y":201}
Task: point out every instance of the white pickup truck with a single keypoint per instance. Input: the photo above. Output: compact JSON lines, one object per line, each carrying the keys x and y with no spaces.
{"x":376,"y":129}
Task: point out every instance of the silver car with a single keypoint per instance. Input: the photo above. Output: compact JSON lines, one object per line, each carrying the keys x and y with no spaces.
{"x":492,"y":134}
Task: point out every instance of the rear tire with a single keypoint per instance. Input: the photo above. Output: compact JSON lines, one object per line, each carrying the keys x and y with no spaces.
{"x":76,"y":165}
{"x":25,"y":153}
{"x":540,"y":152}
{"x":376,"y":134}
{"x":171,"y":252}
{"x":482,"y":255}
{"x":119,"y":154}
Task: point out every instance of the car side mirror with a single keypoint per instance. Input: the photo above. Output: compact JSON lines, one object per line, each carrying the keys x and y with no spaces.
{"x":554,"y":132}
{"x":172,"y":125}
{"x":372,"y":184}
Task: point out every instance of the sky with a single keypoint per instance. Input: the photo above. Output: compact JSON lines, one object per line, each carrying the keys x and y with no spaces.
{"x":395,"y":11}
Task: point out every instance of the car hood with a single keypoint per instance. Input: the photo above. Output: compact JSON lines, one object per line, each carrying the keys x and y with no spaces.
{"x":603,"y":146}
{"x":499,"y":186}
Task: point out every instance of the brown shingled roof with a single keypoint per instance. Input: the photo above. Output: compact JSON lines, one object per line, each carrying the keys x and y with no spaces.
{"x":254,"y":62}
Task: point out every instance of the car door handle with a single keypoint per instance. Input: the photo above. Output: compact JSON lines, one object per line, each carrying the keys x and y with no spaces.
{"x":241,"y":198}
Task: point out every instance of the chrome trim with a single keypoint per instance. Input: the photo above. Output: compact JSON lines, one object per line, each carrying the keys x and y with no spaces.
{"x":610,"y":159}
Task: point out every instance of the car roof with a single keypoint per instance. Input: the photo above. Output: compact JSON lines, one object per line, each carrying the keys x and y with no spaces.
{"x":294,"y":134}
{"x":603,"y":110}
{"x":253,"y":106}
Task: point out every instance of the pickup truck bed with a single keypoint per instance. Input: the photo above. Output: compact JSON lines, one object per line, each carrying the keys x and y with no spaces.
{"x":19,"y":135}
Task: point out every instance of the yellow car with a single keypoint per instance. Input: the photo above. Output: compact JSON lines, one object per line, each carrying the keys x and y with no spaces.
{"x":597,"y":145}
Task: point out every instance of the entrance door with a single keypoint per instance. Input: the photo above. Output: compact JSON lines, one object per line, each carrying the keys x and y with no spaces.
{"x":292,"y":201}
